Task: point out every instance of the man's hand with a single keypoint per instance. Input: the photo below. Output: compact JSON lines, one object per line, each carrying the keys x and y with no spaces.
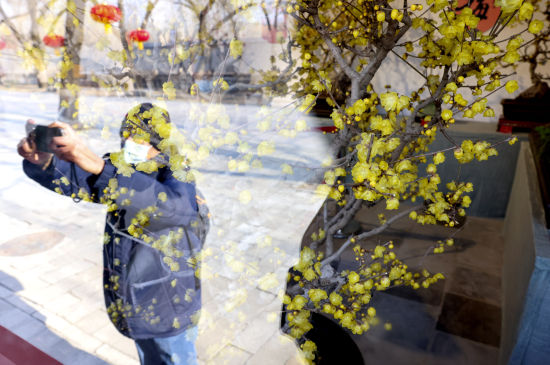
{"x":71,"y":148}
{"x":27,"y":149}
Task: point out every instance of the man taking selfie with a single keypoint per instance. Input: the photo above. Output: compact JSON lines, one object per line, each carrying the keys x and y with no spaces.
{"x":154,"y":227}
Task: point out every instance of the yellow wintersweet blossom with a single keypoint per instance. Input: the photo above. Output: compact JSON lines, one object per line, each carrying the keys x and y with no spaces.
{"x":287,"y":169}
{"x":389,"y":101}
{"x":307,"y":103}
{"x":235,"y":48}
{"x":359,"y":107}
{"x":508,"y":6}
{"x":392,"y":204}
{"x":245,"y":197}
{"x":123,"y":168}
{"x":162,"y":197}
{"x":439,"y":158}
{"x":489,"y":113}
{"x":317,"y":86}
{"x":268,"y":281}
{"x":221,"y":83}
{"x":235,"y":265}
{"x":392,"y":102}
{"x":451,"y":86}
{"x":335,"y":299}
{"x":511,"y":86}
{"x":301,"y":125}
{"x":297,"y":303}
{"x":379,"y":251}
{"x":384,"y":282}
{"x":272,"y":317}
{"x":316,"y":295}
{"x":265,"y":242}
{"x":231,"y":138}
{"x":266,"y":148}
{"x":535,"y":26}
{"x":147,"y":166}
{"x":383,"y":125}
{"x":310,"y":274}
{"x":169,"y":90}
{"x":353,"y":277}
{"x":338,"y":120}
{"x":330,"y":177}
{"x":446,"y":114}
{"x":371,"y":312}
{"x":308,"y":350}
{"x":118,"y":56}
{"x":243,"y":166}
{"x":182,"y":53}
{"x":237,"y":298}
{"x":526,"y":11}
{"x":404,"y":165}
{"x":322,"y":191}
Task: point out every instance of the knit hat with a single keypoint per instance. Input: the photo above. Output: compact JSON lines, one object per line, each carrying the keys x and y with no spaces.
{"x":147,"y":122}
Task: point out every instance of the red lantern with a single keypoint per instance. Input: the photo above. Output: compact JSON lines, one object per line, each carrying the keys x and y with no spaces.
{"x":54,"y":40}
{"x":106,"y":14}
{"x":138,"y":35}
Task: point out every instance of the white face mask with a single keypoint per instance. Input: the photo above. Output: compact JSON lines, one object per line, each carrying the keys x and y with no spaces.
{"x":134,"y":152}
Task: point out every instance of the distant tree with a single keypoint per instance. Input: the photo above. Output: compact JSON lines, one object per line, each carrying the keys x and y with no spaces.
{"x":29,"y":39}
{"x":69,"y":71}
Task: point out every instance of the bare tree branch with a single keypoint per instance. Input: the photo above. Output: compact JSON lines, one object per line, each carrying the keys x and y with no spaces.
{"x":149,"y":10}
{"x":368,"y":234}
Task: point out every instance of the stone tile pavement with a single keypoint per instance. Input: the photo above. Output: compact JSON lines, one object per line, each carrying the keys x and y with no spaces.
{"x":51,"y":263}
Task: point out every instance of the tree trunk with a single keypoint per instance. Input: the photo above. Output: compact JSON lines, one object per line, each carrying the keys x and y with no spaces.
{"x":39,"y":82}
{"x":70,"y":75}
{"x":150,"y":85}
{"x":35,"y":39}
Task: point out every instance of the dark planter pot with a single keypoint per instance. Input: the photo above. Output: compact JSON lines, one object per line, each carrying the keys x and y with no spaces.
{"x":541,"y":154}
{"x":526,"y":110}
{"x":334,"y":344}
{"x":321,"y":108}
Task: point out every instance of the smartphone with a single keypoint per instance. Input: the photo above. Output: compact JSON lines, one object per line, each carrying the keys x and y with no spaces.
{"x":42,"y":137}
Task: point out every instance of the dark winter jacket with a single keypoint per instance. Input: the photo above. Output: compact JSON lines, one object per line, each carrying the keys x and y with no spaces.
{"x":150,"y":285}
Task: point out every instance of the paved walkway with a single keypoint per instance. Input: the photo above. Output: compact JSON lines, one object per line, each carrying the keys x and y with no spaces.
{"x":50,"y":250}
